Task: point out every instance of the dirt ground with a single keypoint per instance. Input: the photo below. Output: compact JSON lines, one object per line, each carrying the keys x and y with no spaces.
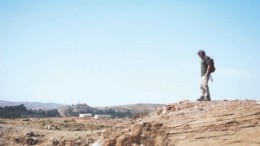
{"x":215,"y":123}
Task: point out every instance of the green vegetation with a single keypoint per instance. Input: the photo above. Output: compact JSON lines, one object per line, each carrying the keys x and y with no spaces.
{"x":13,"y":111}
{"x":20,"y":111}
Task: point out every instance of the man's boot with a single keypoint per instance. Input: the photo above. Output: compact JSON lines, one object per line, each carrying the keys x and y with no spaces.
{"x":207,"y":98}
{"x":201,"y":98}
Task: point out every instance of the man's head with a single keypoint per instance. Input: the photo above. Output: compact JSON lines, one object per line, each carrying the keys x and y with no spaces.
{"x":201,"y":54}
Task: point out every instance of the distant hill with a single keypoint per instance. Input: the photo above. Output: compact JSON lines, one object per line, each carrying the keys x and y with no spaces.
{"x":32,"y":105}
{"x":76,"y":109}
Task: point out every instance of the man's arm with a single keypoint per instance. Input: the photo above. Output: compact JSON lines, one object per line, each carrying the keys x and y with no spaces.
{"x":208,"y":69}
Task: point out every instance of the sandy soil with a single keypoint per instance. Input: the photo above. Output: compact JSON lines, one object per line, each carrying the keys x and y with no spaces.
{"x":215,"y":123}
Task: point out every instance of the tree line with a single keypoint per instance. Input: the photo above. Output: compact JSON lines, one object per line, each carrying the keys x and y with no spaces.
{"x":20,"y":111}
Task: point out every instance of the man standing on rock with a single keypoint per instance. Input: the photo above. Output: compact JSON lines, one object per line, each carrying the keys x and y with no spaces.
{"x":207,"y":67}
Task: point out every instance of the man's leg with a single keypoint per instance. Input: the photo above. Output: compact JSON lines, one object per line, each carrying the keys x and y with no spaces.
{"x":202,"y":90}
{"x":206,"y":87}
{"x":207,"y":93}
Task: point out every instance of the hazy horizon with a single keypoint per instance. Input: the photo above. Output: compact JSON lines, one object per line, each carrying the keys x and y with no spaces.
{"x":74,"y":103}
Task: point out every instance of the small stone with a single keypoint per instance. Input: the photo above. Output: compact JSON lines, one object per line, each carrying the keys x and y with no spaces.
{"x":30,"y":134}
{"x":78,"y":141}
{"x":32,"y":141}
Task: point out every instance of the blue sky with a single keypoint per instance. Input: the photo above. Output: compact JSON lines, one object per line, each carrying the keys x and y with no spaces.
{"x":123,"y":52}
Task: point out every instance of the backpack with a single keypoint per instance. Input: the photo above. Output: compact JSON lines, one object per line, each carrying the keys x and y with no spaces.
{"x":211,"y":60}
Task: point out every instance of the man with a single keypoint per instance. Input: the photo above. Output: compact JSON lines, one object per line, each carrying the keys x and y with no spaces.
{"x":206,"y":68}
